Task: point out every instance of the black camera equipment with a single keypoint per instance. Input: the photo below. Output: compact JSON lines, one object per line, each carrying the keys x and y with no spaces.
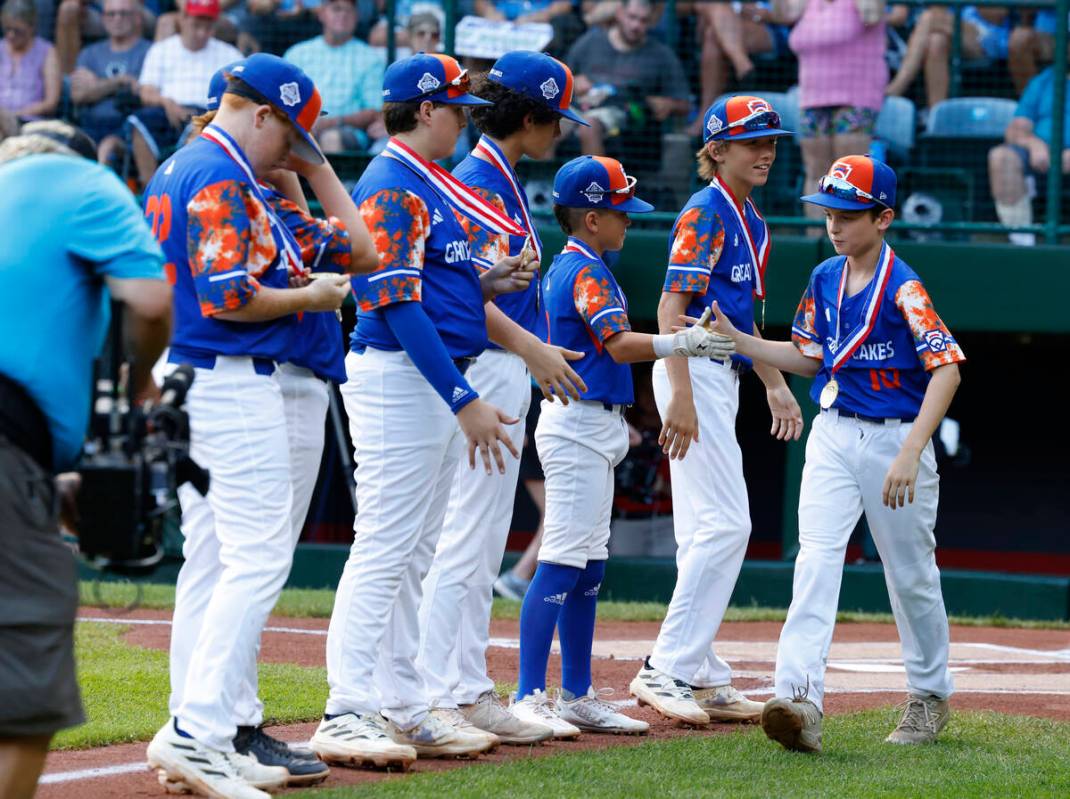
{"x":133,"y":463}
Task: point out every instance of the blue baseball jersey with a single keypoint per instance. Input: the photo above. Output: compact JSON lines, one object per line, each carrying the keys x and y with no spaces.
{"x":423,"y":257}
{"x":221,"y":245}
{"x":718,"y":251}
{"x":523,"y":307}
{"x":325,"y":247}
{"x":887,"y":375}
{"x":584,"y":307}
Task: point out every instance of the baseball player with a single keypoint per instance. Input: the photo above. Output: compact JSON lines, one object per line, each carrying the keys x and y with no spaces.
{"x":531,"y":92}
{"x":341,"y":243}
{"x":421,"y":323}
{"x":886,"y":370}
{"x":719,"y":250}
{"x":580,"y":443}
{"x":235,"y":317}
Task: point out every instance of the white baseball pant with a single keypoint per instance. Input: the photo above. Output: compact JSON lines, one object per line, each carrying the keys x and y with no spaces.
{"x":305,"y":399}
{"x":407,"y":445}
{"x":458,"y":590}
{"x":238,"y":546}
{"x":579,"y":445}
{"x":711,"y":519}
{"x":846,"y":463}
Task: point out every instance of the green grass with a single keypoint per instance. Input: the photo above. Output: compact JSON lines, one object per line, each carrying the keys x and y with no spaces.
{"x":979,"y":755}
{"x":317,"y":604}
{"x":125,"y":688}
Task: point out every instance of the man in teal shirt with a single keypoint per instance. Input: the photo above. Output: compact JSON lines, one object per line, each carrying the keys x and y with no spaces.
{"x":73,"y":237}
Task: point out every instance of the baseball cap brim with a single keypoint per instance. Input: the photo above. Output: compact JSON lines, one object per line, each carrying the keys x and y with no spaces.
{"x":307,"y":149}
{"x":837,"y":203}
{"x":568,"y":113}
{"x":633,"y":205}
{"x":461,"y":99}
{"x":751,"y":134}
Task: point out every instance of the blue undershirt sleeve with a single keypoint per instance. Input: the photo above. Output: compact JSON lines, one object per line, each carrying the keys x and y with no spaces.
{"x":413,"y":329}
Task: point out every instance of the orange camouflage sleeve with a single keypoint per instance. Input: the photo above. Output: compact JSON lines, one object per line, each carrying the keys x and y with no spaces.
{"x":229,"y":245}
{"x":599,"y":304}
{"x":804,"y":333}
{"x":487,"y":248}
{"x":324,"y":243}
{"x":697,"y":241}
{"x":399,"y":225}
{"x":932,"y":340}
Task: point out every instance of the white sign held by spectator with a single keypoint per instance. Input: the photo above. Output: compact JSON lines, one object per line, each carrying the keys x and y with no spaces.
{"x":486,"y":38}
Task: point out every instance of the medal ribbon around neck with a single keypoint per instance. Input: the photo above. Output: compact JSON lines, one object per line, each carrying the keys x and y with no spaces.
{"x":292,"y":260}
{"x":496,"y":157}
{"x":880,"y":282}
{"x":759,"y":255}
{"x":459,"y":196}
{"x":575,"y":245}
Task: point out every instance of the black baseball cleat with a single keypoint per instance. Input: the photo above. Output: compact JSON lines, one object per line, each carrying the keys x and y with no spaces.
{"x":304,"y":767}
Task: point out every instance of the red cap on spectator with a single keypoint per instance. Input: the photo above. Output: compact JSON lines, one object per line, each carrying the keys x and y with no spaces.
{"x":202,"y":8}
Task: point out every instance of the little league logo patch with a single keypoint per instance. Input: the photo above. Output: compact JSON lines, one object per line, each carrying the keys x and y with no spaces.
{"x":428,"y":82}
{"x":757,"y":105}
{"x":290,"y":94}
{"x":936,"y":340}
{"x":715,"y":124}
{"x":840,"y":170}
{"x":594,"y":193}
{"x":549,"y":88}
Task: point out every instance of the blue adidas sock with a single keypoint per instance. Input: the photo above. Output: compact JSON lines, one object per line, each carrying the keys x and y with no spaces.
{"x":576,"y":629}
{"x":538,"y":617}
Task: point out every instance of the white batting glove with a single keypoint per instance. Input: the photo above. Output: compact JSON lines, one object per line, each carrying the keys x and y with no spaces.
{"x":698,"y":342}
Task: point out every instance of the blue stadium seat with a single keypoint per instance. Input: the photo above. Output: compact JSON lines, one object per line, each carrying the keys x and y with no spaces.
{"x":896,"y":124}
{"x":970,"y":118}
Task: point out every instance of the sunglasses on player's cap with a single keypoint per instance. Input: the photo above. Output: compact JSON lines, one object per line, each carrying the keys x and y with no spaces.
{"x":593,"y":181}
{"x":540,"y":77}
{"x":288,"y":89}
{"x":428,"y":76}
{"x":855,"y":183}
{"x":743,"y":117}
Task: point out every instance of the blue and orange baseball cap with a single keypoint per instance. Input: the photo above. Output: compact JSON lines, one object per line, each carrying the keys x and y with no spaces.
{"x":428,"y":76}
{"x":540,"y":77}
{"x":594,"y":181}
{"x":291,"y":91}
{"x":742,"y":117}
{"x":855,"y":183}
{"x":218,"y":85}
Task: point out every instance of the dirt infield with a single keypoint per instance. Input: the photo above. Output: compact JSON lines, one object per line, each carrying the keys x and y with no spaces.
{"x":1008,"y":670}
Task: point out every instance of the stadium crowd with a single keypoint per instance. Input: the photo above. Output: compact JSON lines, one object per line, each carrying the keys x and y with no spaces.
{"x":133,"y":73}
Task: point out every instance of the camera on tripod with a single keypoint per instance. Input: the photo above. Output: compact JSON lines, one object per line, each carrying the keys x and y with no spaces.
{"x":133,"y":463}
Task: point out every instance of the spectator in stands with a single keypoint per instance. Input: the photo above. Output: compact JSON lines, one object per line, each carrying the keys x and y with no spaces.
{"x":104,"y":82}
{"x":985,"y":34}
{"x":1013,"y":167}
{"x":626,"y":81}
{"x":404,"y":11}
{"x":174,"y":83}
{"x":81,"y":20}
{"x":349,"y":76}
{"x":1031,"y":42}
{"x":424,"y":33}
{"x":842,"y":76}
{"x":225,"y":29}
{"x":560,"y":14}
{"x":31,"y":83}
{"x":730,"y":33}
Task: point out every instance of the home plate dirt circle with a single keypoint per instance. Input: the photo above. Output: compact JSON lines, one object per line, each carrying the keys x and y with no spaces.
{"x":1001,"y":669}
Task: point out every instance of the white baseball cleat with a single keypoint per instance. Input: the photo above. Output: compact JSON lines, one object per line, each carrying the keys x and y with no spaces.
{"x":459,"y":721}
{"x":725,"y":703}
{"x":592,"y":714}
{"x":672,"y":698}
{"x":487,"y":713}
{"x":353,"y":739}
{"x":536,"y":708}
{"x":433,"y":737}
{"x":210,"y":772}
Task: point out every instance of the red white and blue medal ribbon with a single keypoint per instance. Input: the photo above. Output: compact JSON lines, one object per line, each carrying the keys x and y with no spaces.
{"x":845,"y":349}
{"x":292,"y":259}
{"x":759,"y":255}
{"x":493,"y":153}
{"x":459,"y":196}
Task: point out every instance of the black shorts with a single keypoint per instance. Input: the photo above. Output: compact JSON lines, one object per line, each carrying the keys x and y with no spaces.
{"x":38,"y":603}
{"x":530,"y":466}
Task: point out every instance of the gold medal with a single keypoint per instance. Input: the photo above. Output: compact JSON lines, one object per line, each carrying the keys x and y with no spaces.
{"x":829,"y":394}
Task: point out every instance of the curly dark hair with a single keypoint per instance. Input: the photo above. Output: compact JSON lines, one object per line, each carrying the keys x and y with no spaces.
{"x":506,"y":116}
